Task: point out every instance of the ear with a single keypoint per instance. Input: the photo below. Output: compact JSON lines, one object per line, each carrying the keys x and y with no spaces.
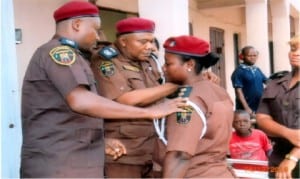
{"x":76,"y":23}
{"x":190,"y":64}
{"x":123,"y":41}
{"x":241,"y":56}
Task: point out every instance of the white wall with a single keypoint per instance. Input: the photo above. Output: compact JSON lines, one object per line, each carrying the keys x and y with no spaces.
{"x":35,"y":18}
{"x":231,"y":20}
{"x":124,"y":5}
{"x":167,"y":19}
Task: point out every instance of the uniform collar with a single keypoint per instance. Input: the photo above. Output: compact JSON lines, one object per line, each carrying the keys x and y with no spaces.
{"x":244,"y":66}
{"x":124,"y":58}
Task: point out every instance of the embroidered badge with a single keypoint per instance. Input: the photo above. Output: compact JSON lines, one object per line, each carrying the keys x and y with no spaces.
{"x":107,"y":68}
{"x":63,"y":55}
{"x":184,"y":117}
{"x":131,"y":68}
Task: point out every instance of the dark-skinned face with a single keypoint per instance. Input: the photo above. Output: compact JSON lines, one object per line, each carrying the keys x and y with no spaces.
{"x":250,"y":56}
{"x":88,"y":32}
{"x":174,"y":69}
{"x":137,"y":46}
{"x":242,"y":124}
{"x":294,"y":56}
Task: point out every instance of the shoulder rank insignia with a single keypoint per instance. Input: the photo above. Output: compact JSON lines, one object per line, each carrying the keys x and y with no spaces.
{"x":63,"y":55}
{"x":182,"y":91}
{"x":108,"y":53}
{"x":131,"y":68}
{"x":107,"y":68}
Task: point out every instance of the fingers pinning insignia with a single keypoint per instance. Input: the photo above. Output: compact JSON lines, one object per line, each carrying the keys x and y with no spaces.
{"x":107,"y":68}
{"x":63,"y":55}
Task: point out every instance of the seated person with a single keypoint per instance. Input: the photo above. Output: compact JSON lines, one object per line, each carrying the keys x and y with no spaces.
{"x":247,"y":143}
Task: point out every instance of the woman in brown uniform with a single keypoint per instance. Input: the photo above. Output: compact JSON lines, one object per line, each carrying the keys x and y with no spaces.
{"x":196,"y":146}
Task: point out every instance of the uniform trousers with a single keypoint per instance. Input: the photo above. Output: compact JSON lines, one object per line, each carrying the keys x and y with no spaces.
{"x":128,"y":171}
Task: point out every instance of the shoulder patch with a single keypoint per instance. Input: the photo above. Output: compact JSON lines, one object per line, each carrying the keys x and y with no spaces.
{"x":184,"y":117}
{"x":131,"y":68}
{"x":107,"y":68}
{"x":63,"y":55}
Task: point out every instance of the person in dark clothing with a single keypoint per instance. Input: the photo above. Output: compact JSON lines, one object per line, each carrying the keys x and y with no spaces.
{"x":247,"y":80}
{"x":278,"y":116}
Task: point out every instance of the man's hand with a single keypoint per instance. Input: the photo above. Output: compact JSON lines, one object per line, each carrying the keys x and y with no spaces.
{"x":284,"y":170}
{"x":114,"y":148}
{"x":168,"y":107}
{"x":211,"y":77}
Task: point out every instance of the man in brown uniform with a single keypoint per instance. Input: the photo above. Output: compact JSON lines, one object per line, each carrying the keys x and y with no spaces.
{"x":126,"y":74}
{"x":197,"y":145}
{"x":278,"y":115}
{"x":61,"y":111}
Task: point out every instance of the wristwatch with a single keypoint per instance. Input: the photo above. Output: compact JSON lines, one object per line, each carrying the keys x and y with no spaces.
{"x":290,"y":157}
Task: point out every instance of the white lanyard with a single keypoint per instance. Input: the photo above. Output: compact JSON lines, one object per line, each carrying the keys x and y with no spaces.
{"x":160,"y":129}
{"x":160,"y":125}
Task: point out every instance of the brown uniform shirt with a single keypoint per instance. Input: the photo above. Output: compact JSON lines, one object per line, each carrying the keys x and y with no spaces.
{"x":283,"y":104}
{"x":208,"y":153}
{"x":116,"y":77}
{"x":58,"y":142}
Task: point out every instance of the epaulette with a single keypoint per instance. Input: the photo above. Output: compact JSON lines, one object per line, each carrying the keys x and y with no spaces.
{"x":68,"y":42}
{"x":182,"y":91}
{"x":108,"y":52}
{"x":278,"y":75}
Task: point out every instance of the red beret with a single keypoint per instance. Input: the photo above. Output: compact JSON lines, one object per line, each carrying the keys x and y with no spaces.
{"x":134,"y":24}
{"x":75,"y":9}
{"x":187,"y":45}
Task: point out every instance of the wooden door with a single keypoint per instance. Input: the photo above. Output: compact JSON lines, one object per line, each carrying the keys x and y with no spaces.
{"x":217,"y":46}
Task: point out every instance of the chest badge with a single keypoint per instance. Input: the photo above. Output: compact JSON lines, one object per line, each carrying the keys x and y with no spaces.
{"x":131,"y":68}
{"x":107,"y":68}
{"x":63,"y":55}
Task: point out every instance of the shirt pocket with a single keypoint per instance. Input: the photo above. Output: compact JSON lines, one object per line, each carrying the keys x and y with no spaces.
{"x":89,"y":148}
{"x":135,"y":80}
{"x":136,"y":131}
{"x":32,"y":161}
